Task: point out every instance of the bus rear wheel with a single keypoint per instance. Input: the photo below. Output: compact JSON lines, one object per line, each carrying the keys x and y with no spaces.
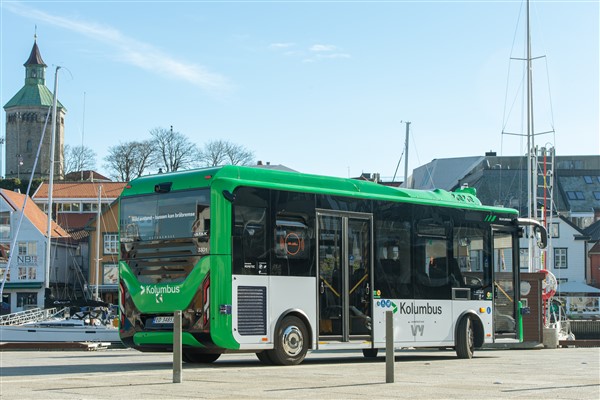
{"x":291,"y":342}
{"x":199,"y":358}
{"x":264,"y":358}
{"x":465,"y":338}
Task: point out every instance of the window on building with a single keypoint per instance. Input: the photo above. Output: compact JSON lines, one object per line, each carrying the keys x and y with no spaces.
{"x":588,"y":179}
{"x":554,"y":229}
{"x":69,"y":207}
{"x":27,"y":248}
{"x":26,"y":300}
{"x":597,"y":195}
{"x":5,"y":225}
{"x":89,"y":207}
{"x":111,"y":243}
{"x":110,"y":274}
{"x":575,"y":195}
{"x":560,"y":257}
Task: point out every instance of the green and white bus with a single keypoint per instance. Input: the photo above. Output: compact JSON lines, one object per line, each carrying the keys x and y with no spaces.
{"x":279,"y":263}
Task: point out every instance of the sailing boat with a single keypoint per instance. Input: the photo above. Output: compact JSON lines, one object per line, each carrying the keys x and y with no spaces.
{"x":91,"y":324}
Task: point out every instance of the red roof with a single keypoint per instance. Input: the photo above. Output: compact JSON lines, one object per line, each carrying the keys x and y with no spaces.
{"x":80,"y":190}
{"x":33,"y":213}
{"x":87,"y":175}
{"x":71,"y":221}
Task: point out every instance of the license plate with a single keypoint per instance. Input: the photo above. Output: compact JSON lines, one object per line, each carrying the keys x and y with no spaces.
{"x":163,"y":320}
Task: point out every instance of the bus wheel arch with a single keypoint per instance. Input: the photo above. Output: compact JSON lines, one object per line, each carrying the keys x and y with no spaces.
{"x":292,"y":339}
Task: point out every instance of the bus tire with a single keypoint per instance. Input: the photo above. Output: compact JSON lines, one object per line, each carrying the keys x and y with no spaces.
{"x":370,"y":353}
{"x":263,"y":357}
{"x":199,"y":358}
{"x":465,"y":338}
{"x":291,"y":342}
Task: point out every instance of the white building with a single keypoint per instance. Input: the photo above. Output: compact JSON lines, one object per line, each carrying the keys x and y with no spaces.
{"x":25,"y":276}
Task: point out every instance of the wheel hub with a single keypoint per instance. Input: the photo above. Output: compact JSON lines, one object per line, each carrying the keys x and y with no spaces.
{"x":293,"y":341}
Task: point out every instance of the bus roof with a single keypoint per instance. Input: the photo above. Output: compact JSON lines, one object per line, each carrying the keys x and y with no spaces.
{"x":296,"y":181}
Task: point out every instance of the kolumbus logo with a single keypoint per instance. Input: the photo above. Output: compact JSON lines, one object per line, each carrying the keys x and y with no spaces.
{"x":158,"y":292}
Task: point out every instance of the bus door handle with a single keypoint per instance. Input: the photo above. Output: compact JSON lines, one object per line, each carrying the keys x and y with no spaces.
{"x":367,"y":289}
{"x":322,"y":287}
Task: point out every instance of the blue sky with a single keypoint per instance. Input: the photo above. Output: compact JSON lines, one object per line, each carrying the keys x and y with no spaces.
{"x":321,"y":87}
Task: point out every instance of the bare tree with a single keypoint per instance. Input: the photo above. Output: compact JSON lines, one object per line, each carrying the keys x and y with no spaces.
{"x":129,"y":160}
{"x":78,"y":158}
{"x":219,"y":152}
{"x":173,"y":150}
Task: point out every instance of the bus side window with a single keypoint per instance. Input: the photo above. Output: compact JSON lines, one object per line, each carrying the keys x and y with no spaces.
{"x":249,"y":241}
{"x":293,"y":233}
{"x":292,"y":247}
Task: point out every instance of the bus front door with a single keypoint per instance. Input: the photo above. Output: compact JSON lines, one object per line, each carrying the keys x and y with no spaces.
{"x":345,"y":276}
{"x":506,"y":285}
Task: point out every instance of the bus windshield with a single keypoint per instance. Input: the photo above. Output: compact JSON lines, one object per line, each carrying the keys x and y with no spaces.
{"x":166,"y":216}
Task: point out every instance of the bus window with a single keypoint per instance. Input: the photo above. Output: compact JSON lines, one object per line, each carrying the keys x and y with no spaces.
{"x":292,"y":249}
{"x":294,"y":240}
{"x":393,"y":258}
{"x":250,"y":220}
{"x":470,"y":250}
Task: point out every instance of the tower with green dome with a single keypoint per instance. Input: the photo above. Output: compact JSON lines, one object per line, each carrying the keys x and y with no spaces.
{"x":25,"y":117}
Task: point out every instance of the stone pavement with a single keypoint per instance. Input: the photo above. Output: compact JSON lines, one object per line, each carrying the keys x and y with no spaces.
{"x":565,"y":373}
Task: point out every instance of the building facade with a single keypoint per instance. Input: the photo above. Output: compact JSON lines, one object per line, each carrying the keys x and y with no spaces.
{"x":25,"y":277}
{"x":104,"y":254}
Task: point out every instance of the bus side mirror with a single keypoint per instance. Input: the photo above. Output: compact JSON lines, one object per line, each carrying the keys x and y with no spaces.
{"x":541,"y":236}
{"x":229,"y":196}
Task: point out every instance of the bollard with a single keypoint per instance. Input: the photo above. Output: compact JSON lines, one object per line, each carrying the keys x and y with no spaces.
{"x":389,"y":347}
{"x":177,"y":347}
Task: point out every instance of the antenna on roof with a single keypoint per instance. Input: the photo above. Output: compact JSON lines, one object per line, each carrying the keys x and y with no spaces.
{"x":35,"y":34}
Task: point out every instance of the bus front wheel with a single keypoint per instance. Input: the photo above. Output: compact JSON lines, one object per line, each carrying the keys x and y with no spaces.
{"x":465,"y":338}
{"x":199,"y":358}
{"x":291,"y":342}
{"x":370,"y":353}
{"x":264,"y":358}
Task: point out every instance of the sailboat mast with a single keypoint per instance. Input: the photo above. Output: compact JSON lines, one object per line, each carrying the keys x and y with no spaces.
{"x":98,"y":217}
{"x":51,"y":180}
{"x":531,"y":152}
{"x":406,"y":156}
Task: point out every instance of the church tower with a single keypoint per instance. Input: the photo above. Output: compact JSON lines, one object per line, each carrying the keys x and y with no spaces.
{"x":25,"y":117}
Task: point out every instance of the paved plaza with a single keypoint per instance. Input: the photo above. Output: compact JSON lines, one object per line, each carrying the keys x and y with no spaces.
{"x":564,"y":373}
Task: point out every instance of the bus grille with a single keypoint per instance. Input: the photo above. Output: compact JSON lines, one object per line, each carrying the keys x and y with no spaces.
{"x":252,"y":310}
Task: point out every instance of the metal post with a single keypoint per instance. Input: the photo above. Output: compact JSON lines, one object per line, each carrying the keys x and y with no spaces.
{"x":406,"y":157}
{"x":389,"y":347}
{"x":177,"y":347}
